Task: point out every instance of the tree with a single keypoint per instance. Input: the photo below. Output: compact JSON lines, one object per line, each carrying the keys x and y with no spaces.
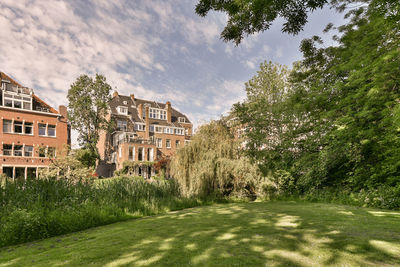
{"x":87,"y":109}
{"x":338,"y":111}
{"x":213,"y":164}
{"x":246,"y":17}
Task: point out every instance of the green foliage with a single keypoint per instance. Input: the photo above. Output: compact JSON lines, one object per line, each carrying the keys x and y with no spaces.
{"x":86,"y":157}
{"x":72,"y":166}
{"x":128,"y":167}
{"x":333,"y":121}
{"x":248,"y":17}
{"x":212,"y":165}
{"x":88,"y":100}
{"x":36,"y":209}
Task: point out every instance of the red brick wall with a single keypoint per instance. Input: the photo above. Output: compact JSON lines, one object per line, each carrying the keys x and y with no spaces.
{"x":59,"y":142}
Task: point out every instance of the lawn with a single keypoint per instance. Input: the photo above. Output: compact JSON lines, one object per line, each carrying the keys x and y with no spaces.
{"x":237,"y":234}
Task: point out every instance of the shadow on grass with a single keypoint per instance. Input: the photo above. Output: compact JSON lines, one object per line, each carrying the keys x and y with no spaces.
{"x":252,"y":234}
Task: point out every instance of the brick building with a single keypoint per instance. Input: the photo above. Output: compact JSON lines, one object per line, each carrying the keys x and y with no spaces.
{"x":145,"y":131}
{"x":31,"y":131}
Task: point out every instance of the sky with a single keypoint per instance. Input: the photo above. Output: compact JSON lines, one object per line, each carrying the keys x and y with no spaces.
{"x":155,"y":49}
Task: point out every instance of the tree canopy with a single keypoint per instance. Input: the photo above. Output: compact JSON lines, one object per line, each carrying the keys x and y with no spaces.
{"x":87,"y":109}
{"x":213,"y":164}
{"x":334,"y":120}
{"x":246,"y":17}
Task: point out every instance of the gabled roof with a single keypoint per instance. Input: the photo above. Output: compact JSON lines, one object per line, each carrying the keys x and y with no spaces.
{"x":132,"y":105}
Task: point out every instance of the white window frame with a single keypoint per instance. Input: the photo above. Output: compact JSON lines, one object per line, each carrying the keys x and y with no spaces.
{"x":122,"y":123}
{"x":132,"y":149}
{"x":7,"y":152}
{"x":122,"y":110}
{"x":30,"y":152}
{"x":166,"y":143}
{"x":156,"y":113}
{"x":55,"y":130}
{"x":45,"y":129}
{"x":15,"y":97}
{"x":139,"y":127}
{"x":10,"y":126}
{"x":159,"y":142}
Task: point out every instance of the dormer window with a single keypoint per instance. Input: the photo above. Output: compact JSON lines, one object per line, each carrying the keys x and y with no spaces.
{"x":122,"y":110}
{"x":125,"y":102}
{"x":182,"y":119}
{"x":156,"y":113}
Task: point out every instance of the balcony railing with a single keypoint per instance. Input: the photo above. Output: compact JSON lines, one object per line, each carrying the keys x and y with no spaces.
{"x":129,"y":138}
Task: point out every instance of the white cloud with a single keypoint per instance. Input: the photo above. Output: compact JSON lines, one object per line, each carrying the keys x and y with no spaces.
{"x":279,"y":52}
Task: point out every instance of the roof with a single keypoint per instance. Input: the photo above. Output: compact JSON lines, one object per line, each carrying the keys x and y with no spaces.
{"x":36,"y":99}
{"x":132,"y":105}
{"x":4,"y":76}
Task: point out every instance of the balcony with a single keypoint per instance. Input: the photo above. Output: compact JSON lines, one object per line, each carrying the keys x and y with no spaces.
{"x":125,"y":137}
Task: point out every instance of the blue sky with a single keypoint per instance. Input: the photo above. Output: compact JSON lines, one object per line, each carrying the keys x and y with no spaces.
{"x":158,"y":50}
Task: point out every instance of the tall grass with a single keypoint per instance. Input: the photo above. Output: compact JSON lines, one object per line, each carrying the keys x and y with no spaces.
{"x":38,"y":209}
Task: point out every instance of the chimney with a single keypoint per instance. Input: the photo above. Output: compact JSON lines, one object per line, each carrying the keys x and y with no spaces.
{"x":133,"y":97}
{"x":169,"y":111}
{"x":140,"y":111}
{"x":115,"y":94}
{"x":63,"y":111}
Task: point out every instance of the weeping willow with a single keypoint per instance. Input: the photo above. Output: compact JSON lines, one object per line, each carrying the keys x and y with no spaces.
{"x":213,"y":164}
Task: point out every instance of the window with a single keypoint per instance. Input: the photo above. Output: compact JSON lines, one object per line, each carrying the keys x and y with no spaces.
{"x":17,"y":126}
{"x":8,"y":171}
{"x":182,"y":119}
{"x":139,"y":127}
{"x":7,"y":150}
{"x":141,"y":154}
{"x":120,"y":152}
{"x":51,"y":152}
{"x":7,"y":126}
{"x":132,"y":153}
{"x":168,"y":143}
{"x":151,"y":128}
{"x":42,"y":129}
{"x":16,"y":101}
{"x":125,"y":102}
{"x":42,"y":152}
{"x":168,"y":130}
{"x":159,"y":129}
{"x":177,"y":143}
{"x":159,"y":114}
{"x":18,"y":150}
{"x":122,"y":125}
{"x":159,"y":142}
{"x":28,"y":151}
{"x":187,"y":131}
{"x":150,"y":156}
{"x":122,"y":110}
{"x":178,"y":131}
{"x":8,"y":103}
{"x":27,"y":105}
{"x":28,"y":128}
{"x":51,"y":130}
{"x":17,"y":104}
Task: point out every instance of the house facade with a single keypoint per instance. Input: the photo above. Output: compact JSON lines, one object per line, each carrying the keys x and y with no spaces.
{"x":144,"y":132}
{"x":32,"y":133}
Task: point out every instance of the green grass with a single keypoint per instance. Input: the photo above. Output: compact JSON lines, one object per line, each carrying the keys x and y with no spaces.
{"x":235,"y":234}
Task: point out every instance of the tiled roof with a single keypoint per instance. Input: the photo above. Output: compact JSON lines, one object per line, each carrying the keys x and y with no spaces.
{"x":133,"y":112}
